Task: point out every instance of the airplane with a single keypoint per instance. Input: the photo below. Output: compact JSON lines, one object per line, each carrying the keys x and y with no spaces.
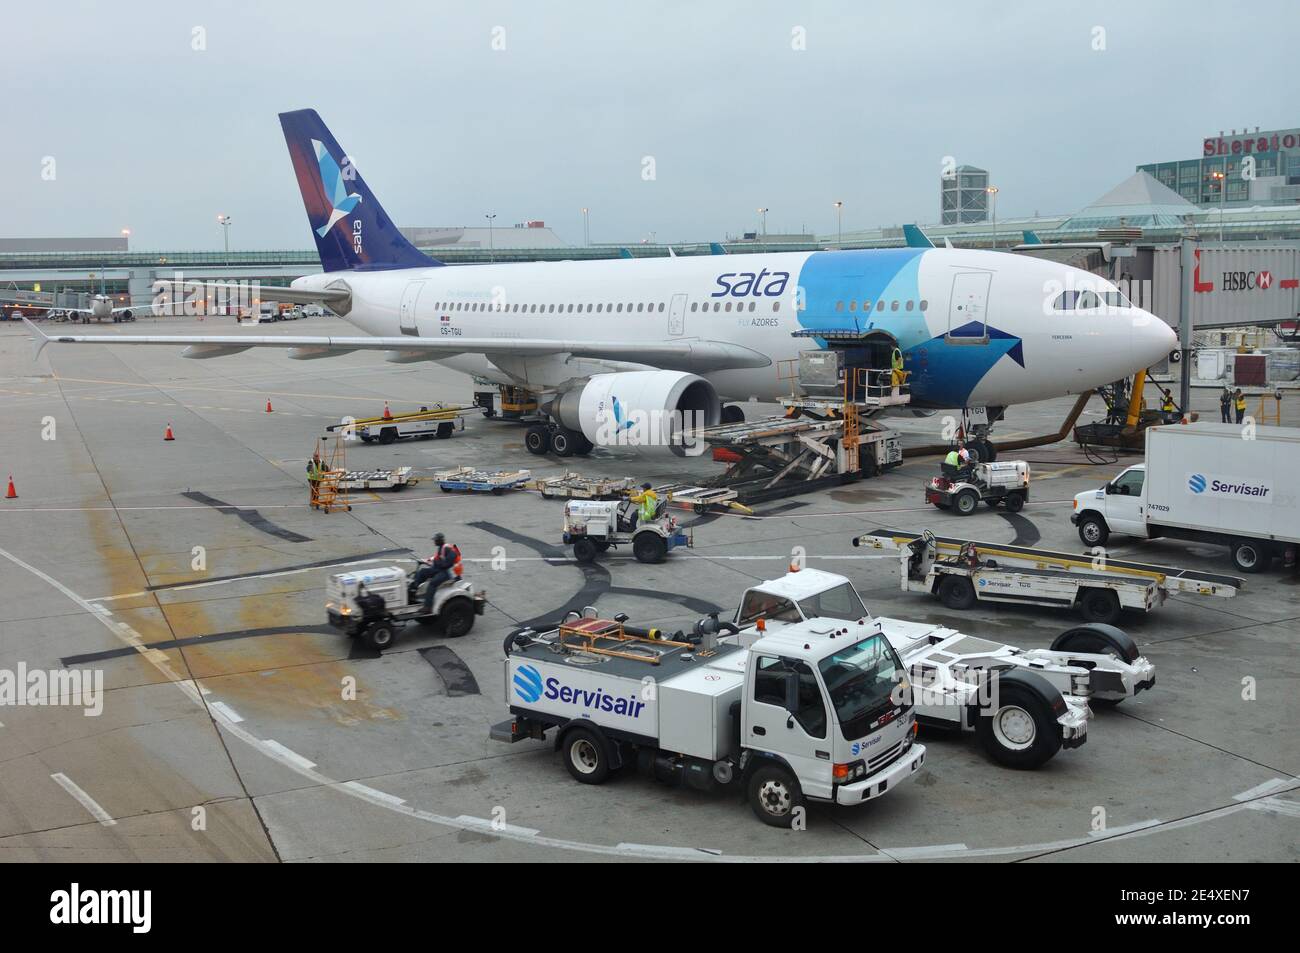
{"x":607,"y":344}
{"x":100,"y":306}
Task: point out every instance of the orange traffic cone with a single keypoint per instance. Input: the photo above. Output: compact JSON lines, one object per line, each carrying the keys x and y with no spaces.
{"x":11,"y":494}
{"x":388,"y":414}
{"x":268,"y":405}
{"x":169,"y":435}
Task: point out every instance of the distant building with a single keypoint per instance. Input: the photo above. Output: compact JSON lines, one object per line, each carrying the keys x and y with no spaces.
{"x":963,"y":196}
{"x":36,"y":246}
{"x":1261,"y":168}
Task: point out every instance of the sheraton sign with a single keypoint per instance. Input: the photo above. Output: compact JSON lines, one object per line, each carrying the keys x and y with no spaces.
{"x":1249,"y":143}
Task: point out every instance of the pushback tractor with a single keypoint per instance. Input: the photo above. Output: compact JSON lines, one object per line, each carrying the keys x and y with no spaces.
{"x":1023,"y":705}
{"x":805,"y":714}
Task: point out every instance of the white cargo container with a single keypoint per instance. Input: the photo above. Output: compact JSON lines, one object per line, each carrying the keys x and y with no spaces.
{"x":1207,"y":482}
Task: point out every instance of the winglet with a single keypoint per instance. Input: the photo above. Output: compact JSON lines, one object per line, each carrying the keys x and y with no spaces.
{"x":915,"y":238}
{"x":39,"y":338}
{"x":624,"y":253}
{"x":1031,"y":238}
{"x":715,"y":248}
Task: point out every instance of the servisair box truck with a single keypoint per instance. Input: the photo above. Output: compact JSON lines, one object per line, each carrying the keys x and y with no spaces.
{"x":1212,"y":483}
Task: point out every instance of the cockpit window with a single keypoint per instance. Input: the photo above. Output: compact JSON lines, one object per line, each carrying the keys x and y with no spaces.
{"x":1088,"y":301}
{"x":1065,"y":301}
{"x":1116,"y":299}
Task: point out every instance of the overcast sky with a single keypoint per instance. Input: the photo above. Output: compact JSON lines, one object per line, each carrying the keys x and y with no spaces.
{"x":148,"y":132}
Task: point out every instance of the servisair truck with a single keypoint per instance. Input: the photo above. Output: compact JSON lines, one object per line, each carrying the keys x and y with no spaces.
{"x":1211,"y":483}
{"x":807,"y":713}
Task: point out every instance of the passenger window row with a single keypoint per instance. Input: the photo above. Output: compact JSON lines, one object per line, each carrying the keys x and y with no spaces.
{"x":639,"y":306}
{"x":882,"y":304}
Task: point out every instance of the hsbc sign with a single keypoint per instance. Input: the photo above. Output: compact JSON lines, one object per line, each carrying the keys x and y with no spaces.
{"x":1246,"y":280}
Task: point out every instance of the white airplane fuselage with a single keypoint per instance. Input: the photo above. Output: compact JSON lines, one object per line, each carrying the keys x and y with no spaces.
{"x":976,"y":328}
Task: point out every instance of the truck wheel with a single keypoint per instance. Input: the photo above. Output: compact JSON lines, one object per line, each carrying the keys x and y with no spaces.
{"x":1093,"y":531}
{"x":1250,"y":555}
{"x":445,"y":430}
{"x":774,"y":795}
{"x":1015,"y":502}
{"x":966,"y":502}
{"x":585,"y":550}
{"x":1099,"y":605}
{"x":457,"y":617}
{"x":585,"y":756}
{"x":388,"y":435}
{"x":537,"y":439}
{"x":956,"y":592}
{"x":1021,"y":732}
{"x":649,"y":547}
{"x":380,"y":635}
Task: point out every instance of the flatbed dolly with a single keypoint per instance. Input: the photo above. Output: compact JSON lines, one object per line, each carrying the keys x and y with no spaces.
{"x":468,"y":479}
{"x":394,"y":480}
{"x":574,"y":486}
{"x":963,"y":572}
{"x":701,"y":499}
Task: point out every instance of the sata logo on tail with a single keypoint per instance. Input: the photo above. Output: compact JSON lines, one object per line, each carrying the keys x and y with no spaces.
{"x":334,"y":180}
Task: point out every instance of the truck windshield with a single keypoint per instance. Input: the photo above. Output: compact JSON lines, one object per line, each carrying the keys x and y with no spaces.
{"x":758,"y":604}
{"x":860,"y":679}
{"x":838,"y":603}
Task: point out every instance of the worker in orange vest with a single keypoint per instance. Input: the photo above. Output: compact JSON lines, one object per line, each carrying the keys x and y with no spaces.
{"x":438,"y":568}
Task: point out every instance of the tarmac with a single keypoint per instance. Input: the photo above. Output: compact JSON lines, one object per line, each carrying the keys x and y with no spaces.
{"x":236,"y":726}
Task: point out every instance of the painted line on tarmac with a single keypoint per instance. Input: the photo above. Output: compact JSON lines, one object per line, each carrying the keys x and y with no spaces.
{"x":84,"y":799}
{"x":380,"y":556}
{"x":398,"y":805}
{"x":1268,"y":787}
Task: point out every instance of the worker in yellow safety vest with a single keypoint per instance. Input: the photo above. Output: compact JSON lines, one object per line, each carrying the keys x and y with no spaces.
{"x":315,"y":473}
{"x":648,"y":503}
{"x":1167,"y":405}
{"x":1239,"y":401}
{"x":896,"y":374}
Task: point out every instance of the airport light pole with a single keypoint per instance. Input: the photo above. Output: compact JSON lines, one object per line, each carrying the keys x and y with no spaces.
{"x":763,"y":212}
{"x":839,"y":214}
{"x":992,"y":190}
{"x":224,"y":221}
{"x":492,"y":248}
{"x":586,"y":227}
{"x":1223,"y":197}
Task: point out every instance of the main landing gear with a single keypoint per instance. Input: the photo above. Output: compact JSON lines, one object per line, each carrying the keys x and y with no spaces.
{"x":976,"y":425}
{"x":541,"y":438}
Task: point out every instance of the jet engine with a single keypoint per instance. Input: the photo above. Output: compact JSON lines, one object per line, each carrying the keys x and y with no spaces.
{"x":641,"y":410}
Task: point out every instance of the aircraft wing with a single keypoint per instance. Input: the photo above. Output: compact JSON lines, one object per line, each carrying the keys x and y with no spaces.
{"x":688,"y":355}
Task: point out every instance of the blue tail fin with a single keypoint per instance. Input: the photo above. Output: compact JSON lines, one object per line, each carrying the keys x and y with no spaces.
{"x":916,"y":238}
{"x":352,"y":230}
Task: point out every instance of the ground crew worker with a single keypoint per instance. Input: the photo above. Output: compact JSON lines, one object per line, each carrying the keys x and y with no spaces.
{"x":1239,"y":399}
{"x":1225,"y":406}
{"x":897,"y":374}
{"x":647,"y":501}
{"x":315,"y":473}
{"x":1167,"y":405}
{"x":438,"y":568}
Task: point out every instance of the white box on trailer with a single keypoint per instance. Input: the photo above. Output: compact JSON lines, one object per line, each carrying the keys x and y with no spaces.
{"x":1210,"y":477}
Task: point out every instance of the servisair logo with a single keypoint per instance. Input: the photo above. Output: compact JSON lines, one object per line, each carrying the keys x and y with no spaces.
{"x":1229,"y":488}
{"x":531,"y":688}
{"x":335,"y":183}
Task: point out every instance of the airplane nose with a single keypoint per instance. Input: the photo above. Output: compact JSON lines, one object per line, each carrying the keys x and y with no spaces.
{"x":1152,"y":338}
